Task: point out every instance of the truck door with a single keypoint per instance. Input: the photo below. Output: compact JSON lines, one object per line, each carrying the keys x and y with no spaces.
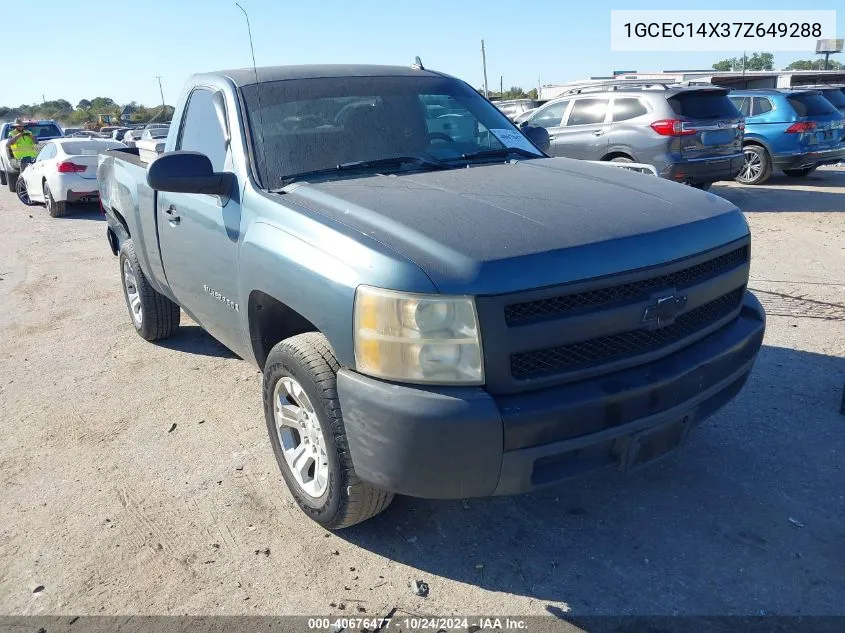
{"x":584,"y":133}
{"x":200,"y":234}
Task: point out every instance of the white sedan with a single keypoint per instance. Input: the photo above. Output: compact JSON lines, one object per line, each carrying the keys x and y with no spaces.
{"x":64,"y":172}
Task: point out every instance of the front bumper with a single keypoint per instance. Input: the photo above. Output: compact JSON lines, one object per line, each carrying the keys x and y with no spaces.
{"x":701,"y":170}
{"x":809,"y":159}
{"x":459,"y":442}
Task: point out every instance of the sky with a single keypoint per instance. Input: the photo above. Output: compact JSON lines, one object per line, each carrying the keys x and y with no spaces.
{"x":75,"y":55}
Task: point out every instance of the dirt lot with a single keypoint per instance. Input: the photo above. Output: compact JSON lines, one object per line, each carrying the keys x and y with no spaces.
{"x":111,"y":512}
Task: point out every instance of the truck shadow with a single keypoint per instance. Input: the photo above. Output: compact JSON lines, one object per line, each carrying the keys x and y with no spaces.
{"x":83,"y":212}
{"x":192,"y":339}
{"x":749,"y":515}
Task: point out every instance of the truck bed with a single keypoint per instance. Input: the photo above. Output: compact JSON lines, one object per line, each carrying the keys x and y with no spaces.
{"x":130,"y":206}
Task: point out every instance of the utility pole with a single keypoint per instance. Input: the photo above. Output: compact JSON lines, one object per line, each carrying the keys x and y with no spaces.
{"x":161,"y":90}
{"x":484,"y":66}
{"x":501,"y":86}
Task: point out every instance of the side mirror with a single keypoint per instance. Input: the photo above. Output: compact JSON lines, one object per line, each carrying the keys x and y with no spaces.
{"x":188,"y":172}
{"x":537,"y":135}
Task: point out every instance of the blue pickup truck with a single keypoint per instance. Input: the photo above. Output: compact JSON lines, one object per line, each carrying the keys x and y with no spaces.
{"x":439,"y":309}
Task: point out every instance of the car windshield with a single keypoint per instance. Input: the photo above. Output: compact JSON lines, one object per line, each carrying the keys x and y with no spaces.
{"x":700,"y":104}
{"x":39,"y":130}
{"x":309,"y":125}
{"x":810,"y":104}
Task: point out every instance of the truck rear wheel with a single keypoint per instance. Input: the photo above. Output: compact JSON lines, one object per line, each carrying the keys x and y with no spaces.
{"x":153,"y":315}
{"x":11,"y":180}
{"x":307,"y":433}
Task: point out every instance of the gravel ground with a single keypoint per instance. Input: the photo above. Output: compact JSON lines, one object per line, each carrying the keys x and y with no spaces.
{"x":108,"y":509}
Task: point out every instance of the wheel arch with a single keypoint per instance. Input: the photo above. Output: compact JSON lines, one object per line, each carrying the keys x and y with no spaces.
{"x":271,"y":321}
{"x":618,"y":153}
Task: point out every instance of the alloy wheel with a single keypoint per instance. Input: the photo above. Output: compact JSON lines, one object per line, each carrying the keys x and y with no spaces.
{"x":301,"y":437}
{"x":130,"y":284}
{"x":753,"y":166}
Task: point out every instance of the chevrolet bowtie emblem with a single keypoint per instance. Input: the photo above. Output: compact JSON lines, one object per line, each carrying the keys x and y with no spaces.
{"x":664,"y":311}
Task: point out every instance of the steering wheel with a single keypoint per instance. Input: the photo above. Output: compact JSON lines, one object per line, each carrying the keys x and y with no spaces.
{"x":441,"y":137}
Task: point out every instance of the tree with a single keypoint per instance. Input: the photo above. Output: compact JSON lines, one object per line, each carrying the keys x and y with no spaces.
{"x":815,"y":64}
{"x":532,"y":94}
{"x":760,"y":61}
{"x":83,"y":104}
{"x":757,"y":61}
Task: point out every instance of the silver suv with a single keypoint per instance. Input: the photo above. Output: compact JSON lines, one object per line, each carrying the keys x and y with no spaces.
{"x":690,"y":134}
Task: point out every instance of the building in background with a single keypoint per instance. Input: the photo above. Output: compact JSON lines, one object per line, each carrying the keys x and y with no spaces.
{"x":729,"y":79}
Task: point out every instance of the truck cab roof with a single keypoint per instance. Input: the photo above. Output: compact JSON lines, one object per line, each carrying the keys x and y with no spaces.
{"x":247,"y":76}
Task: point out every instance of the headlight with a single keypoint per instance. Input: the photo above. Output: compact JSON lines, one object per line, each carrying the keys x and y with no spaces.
{"x":417,"y":338}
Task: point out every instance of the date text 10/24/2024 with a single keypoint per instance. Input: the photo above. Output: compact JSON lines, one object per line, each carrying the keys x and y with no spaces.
{"x":416,"y":624}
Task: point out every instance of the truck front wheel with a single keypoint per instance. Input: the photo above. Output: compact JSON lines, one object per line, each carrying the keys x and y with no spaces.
{"x":307,"y":433}
{"x":153,"y":315}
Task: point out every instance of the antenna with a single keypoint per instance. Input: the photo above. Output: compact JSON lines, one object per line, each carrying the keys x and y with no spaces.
{"x":418,"y":63}
{"x":257,"y":85}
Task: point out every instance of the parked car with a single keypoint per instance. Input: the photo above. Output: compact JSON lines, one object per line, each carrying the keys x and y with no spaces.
{"x":118,"y":134}
{"x":130,"y":137}
{"x":433,"y":317}
{"x":64,"y":172}
{"x":793,"y":130}
{"x":156,"y":132}
{"x":43,"y":130}
{"x":512,"y":108}
{"x":521,"y":118}
{"x":834,"y":94}
{"x":70,"y":131}
{"x":690,"y":134}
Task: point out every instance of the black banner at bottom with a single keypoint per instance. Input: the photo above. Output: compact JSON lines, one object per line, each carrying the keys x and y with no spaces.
{"x":398,"y":621}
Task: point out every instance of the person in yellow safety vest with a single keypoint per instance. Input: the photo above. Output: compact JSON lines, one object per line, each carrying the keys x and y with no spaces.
{"x":22,"y":143}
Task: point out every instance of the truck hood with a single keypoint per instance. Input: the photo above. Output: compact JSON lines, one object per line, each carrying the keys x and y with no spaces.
{"x":496,"y":228}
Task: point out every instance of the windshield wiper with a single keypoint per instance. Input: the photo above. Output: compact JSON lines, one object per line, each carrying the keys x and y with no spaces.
{"x":496,"y":153}
{"x":392,"y":161}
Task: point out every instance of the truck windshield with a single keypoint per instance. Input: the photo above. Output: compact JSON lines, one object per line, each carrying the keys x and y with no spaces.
{"x":309,"y":125}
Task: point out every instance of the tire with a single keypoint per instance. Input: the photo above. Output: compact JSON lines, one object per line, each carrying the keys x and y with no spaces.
{"x":153,"y":315}
{"x":798,"y":173}
{"x":621,"y":159}
{"x":307,"y":362}
{"x":11,"y":180}
{"x":23,"y":195}
{"x":55,"y":209}
{"x":757,"y":167}
{"x":2,"y":177}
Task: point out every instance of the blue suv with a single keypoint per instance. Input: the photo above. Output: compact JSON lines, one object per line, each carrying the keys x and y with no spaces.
{"x":792,"y":130}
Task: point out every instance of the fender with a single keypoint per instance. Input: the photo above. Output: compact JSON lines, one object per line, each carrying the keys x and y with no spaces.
{"x":759,"y":140}
{"x":318,"y":283}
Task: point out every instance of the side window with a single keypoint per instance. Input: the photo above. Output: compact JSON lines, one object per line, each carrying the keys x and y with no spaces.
{"x":587,"y":111}
{"x":760,"y":105}
{"x":47,"y":152}
{"x":743,"y":104}
{"x":201,"y":131}
{"x":551,"y":115}
{"x":624,"y":109}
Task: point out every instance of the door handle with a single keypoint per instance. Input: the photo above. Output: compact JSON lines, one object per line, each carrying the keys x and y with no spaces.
{"x":173,"y":217}
{"x":598,"y":132}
